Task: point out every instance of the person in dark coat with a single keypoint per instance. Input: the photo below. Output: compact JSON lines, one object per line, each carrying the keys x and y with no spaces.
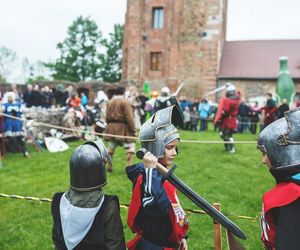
{"x":282,"y":108}
{"x":254,"y":117}
{"x":59,"y":96}
{"x":243,"y":117}
{"x":36,"y":97}
{"x":27,"y":96}
{"x":165,"y":99}
{"x":47,"y":97}
{"x":84,"y":217}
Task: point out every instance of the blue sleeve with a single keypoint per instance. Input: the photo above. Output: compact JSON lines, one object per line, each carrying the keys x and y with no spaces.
{"x":154,"y":198}
{"x":134,"y":171}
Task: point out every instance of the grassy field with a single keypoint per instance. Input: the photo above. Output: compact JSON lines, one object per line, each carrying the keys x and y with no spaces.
{"x":236,"y":181}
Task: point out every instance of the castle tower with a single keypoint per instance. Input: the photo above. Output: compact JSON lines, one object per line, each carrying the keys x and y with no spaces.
{"x":167,"y":42}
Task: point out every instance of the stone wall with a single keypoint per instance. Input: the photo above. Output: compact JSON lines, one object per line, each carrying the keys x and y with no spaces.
{"x":251,"y":89}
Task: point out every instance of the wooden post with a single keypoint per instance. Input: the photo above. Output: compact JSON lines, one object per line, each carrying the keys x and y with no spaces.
{"x":217,"y":230}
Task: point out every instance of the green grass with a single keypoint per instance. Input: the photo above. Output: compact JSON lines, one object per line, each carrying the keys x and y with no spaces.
{"x":236,"y":181}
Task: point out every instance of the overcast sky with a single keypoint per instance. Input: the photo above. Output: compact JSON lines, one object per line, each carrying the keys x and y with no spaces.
{"x":263,"y":19}
{"x":32,"y":28}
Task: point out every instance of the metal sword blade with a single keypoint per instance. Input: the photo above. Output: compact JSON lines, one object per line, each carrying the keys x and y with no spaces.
{"x":206,"y":206}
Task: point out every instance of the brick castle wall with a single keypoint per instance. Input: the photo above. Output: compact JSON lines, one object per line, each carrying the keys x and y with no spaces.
{"x":191,"y":41}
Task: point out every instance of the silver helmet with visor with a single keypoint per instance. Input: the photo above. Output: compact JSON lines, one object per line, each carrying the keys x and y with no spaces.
{"x":281,"y":142}
{"x":161,"y":129}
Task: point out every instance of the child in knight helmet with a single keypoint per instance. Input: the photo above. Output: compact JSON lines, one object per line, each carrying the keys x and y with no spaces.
{"x":155,"y":214}
{"x":280,"y":146}
{"x":84,"y":217}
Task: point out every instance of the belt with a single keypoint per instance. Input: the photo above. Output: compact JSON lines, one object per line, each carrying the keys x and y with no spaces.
{"x":116,"y":122}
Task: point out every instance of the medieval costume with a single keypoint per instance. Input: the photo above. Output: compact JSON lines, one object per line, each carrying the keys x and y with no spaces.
{"x":283,"y":107}
{"x":279,"y":142}
{"x":120,"y":122}
{"x":155,"y":214}
{"x":166,"y":100}
{"x":227,"y":117}
{"x":13,"y":127}
{"x":84,"y":217}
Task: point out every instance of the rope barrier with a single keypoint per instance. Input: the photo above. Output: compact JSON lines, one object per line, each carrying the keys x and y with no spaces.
{"x":13,"y":196}
{"x":41,"y":124}
{"x":125,"y":206}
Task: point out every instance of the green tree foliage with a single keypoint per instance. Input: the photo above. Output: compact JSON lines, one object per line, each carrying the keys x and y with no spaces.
{"x":111,"y":61}
{"x":79,"y":52}
{"x":85,"y":55}
{"x":33,"y":80}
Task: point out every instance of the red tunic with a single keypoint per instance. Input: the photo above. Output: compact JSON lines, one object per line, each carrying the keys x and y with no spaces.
{"x":227,"y":112}
{"x":180,"y":226}
{"x":281,"y":195}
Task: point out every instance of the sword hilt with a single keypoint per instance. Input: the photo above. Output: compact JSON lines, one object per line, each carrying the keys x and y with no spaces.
{"x":141,"y":153}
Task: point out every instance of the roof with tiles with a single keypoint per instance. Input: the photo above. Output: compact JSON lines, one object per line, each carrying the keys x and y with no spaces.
{"x":258,"y":59}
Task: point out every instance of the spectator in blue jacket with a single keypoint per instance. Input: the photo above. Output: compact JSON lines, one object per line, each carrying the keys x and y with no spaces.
{"x":84,"y":99}
{"x":204,"y":111}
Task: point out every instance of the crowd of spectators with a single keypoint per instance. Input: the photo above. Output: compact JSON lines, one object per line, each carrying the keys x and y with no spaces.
{"x":252,"y":117}
{"x":14,"y":104}
{"x":197,"y":113}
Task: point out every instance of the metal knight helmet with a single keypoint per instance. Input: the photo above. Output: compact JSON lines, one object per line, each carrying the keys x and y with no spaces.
{"x":281,"y":142}
{"x":87,"y":166}
{"x":160,"y":129}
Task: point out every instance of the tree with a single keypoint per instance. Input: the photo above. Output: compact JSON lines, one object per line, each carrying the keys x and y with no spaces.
{"x":79,"y":52}
{"x":8,"y":60}
{"x":111,"y":61}
{"x":32,"y":80}
{"x":2,"y":79}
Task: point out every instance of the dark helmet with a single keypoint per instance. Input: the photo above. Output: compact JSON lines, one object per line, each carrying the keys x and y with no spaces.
{"x":160,"y":129}
{"x":87,"y":166}
{"x":281,"y":142}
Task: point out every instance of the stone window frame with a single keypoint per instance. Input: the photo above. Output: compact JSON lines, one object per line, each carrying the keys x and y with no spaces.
{"x":156,"y":61}
{"x":158,"y":17}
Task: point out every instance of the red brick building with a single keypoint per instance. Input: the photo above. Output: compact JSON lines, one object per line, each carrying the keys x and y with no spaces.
{"x":167,"y":42}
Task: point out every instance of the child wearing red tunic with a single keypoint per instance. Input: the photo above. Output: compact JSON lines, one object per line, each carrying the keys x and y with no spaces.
{"x":155,"y":214}
{"x":279,"y":143}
